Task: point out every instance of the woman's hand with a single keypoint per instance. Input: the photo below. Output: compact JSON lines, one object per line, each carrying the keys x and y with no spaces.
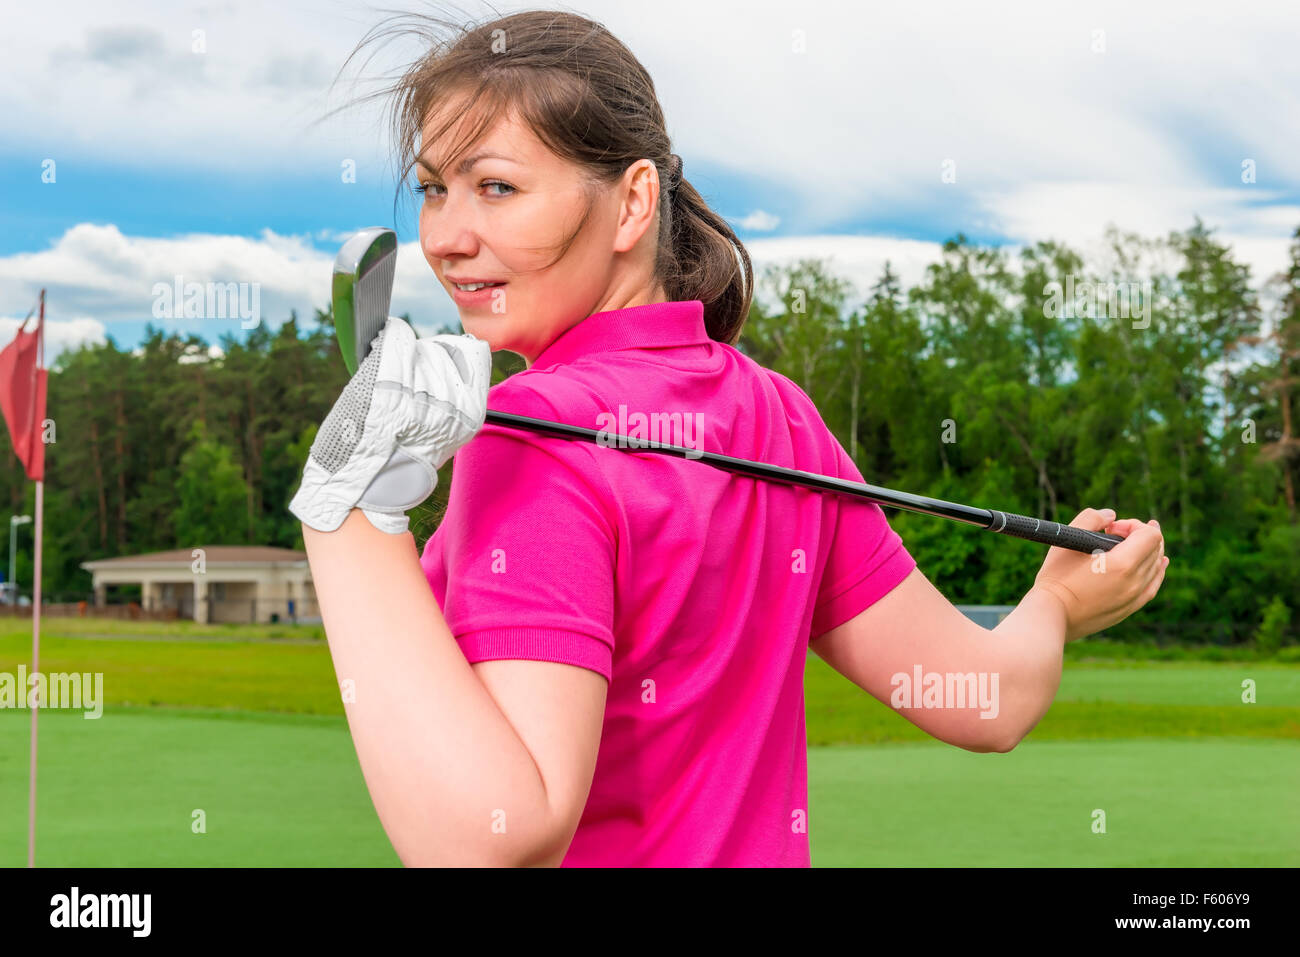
{"x":1098,"y":591}
{"x":411,"y":404}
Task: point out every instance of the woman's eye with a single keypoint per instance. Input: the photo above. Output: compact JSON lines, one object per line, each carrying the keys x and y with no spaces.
{"x":424,"y":188}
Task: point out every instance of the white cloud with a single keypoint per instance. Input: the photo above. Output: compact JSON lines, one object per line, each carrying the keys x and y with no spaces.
{"x":97,"y":270}
{"x":859,"y":116}
{"x":59,"y":334}
{"x":860,"y":259}
{"x":127,"y":84}
{"x":103,"y":277}
{"x":193,"y":354}
{"x":1078,"y":213}
{"x":759,"y":221}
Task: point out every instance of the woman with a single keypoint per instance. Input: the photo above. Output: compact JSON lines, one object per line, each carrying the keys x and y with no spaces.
{"x":599,"y":656}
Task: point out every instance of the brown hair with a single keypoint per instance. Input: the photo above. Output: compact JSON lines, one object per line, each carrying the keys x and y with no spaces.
{"x":585,"y":96}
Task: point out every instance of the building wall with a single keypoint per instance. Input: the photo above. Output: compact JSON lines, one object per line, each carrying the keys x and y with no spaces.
{"x":234,"y":593}
{"x":233,"y":602}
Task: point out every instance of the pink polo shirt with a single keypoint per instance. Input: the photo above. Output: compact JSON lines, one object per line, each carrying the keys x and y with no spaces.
{"x":693,"y":591}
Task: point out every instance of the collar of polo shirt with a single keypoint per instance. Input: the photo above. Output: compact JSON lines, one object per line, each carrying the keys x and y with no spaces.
{"x":655,"y":324}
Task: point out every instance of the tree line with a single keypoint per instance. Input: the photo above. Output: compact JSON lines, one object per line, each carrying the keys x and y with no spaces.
{"x":1160,"y":381}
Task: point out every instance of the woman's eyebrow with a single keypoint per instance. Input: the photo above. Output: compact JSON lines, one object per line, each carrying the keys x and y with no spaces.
{"x":468,"y":163}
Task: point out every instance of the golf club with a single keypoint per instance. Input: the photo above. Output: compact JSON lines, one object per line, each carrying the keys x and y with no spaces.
{"x":363,"y":288}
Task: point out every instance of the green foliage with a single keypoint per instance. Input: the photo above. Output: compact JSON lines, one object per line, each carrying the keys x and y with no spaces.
{"x":974,"y":386}
{"x":1272,"y":631}
{"x":212,"y":494}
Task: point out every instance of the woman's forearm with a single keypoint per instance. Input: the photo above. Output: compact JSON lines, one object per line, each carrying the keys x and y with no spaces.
{"x":1033,"y":650}
{"x":452,"y":782}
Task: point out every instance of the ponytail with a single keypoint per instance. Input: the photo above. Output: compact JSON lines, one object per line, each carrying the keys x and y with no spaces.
{"x":702,"y":258}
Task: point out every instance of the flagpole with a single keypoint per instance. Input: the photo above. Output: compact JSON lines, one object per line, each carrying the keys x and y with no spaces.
{"x":36,"y":612}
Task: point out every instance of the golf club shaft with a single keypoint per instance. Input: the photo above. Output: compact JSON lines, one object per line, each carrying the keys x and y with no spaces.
{"x":1020,"y":526}
{"x":362,"y":291}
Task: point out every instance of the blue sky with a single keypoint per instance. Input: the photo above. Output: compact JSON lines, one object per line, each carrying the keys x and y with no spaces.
{"x":816,"y":129}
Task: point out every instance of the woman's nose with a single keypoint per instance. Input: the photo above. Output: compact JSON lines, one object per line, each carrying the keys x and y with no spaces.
{"x":449,"y":230}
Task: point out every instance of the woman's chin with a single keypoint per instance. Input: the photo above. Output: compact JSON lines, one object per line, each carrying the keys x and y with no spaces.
{"x":479,"y":327}
{"x":492,"y":333}
{"x":500,"y":333}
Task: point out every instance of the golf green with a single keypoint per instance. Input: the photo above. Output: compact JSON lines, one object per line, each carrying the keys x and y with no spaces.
{"x":125,"y":790}
{"x":245,"y":734}
{"x":1203,"y":803}
{"x":286,"y":790}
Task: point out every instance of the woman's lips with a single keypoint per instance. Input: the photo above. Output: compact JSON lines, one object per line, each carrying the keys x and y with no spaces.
{"x":477,"y":297}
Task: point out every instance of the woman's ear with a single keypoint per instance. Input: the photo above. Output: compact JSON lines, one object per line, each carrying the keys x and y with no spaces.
{"x":639,"y":200}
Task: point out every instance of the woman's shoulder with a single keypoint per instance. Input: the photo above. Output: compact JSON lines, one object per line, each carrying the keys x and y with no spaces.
{"x":498,"y":453}
{"x":788,"y":388}
{"x":551,"y":393}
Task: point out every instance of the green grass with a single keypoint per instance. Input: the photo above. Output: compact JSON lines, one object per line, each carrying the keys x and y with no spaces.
{"x":1194,"y":803}
{"x":246,"y":725}
{"x":123,"y":791}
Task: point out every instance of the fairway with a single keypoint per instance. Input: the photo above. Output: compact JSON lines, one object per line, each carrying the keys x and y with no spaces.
{"x":251,"y":733}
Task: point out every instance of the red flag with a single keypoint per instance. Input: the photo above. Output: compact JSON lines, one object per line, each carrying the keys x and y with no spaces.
{"x":22,"y":394}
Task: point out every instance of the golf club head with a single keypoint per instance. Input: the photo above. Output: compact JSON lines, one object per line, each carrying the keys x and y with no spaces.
{"x":362,"y":291}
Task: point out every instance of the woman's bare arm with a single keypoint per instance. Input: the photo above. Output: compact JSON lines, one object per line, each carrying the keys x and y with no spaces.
{"x":467,"y":765}
{"x":915,"y":626}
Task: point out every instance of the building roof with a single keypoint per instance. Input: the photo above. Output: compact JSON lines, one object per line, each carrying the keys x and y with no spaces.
{"x":213,"y":555}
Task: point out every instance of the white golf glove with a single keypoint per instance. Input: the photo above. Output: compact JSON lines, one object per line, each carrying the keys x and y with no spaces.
{"x":411,"y":404}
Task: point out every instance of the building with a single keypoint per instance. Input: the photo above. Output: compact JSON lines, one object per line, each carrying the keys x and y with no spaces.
{"x":215,"y":583}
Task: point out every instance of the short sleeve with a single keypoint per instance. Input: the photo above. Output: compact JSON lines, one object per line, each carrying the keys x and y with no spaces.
{"x":529,"y":549}
{"x":867,"y":558}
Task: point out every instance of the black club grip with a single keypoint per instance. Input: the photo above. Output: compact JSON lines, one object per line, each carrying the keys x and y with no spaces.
{"x":1052,"y":533}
